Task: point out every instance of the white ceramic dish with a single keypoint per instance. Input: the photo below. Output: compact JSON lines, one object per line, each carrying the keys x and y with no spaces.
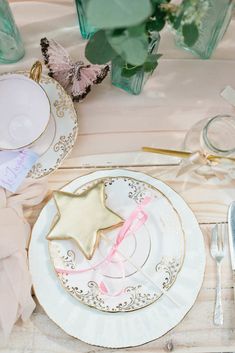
{"x":25,"y":111}
{"x":116,"y":330}
{"x":60,"y":135}
{"x":157,"y":248}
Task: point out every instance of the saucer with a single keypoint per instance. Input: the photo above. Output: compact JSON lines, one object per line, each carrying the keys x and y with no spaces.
{"x":58,"y":139}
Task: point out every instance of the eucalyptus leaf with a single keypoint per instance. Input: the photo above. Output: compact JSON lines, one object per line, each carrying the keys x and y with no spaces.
{"x":190,"y":33}
{"x":149,"y":66}
{"x":160,"y":2}
{"x":129,"y":70}
{"x":98,"y":50}
{"x":156,"y":24}
{"x":152,"y":62}
{"x":137,"y":31}
{"x":110,"y":14}
{"x":130,"y":45}
{"x":157,"y":20}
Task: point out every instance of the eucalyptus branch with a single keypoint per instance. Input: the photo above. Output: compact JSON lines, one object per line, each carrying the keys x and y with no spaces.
{"x":125,"y":29}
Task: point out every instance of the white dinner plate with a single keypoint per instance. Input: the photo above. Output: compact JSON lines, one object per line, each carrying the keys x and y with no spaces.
{"x":118,"y":329}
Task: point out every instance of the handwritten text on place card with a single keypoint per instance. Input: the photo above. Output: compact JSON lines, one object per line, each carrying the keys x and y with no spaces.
{"x":14,"y":167}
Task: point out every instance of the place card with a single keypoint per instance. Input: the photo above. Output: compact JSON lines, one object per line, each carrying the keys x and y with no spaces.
{"x":14,"y":167}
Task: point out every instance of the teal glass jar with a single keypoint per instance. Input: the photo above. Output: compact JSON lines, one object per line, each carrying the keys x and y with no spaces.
{"x":133,"y":79}
{"x":212,"y":18}
{"x":85,"y":28}
{"x":11,"y":45}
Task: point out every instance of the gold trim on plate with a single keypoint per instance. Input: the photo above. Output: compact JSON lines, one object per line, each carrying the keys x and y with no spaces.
{"x":63,"y":144}
{"x":102,"y":307}
{"x":145,"y":342}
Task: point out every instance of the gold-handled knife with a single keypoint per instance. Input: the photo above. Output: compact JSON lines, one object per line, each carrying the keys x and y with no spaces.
{"x":231,"y":235}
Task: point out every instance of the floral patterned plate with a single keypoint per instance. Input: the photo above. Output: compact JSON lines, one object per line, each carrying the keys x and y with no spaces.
{"x":156,"y":249}
{"x":126,"y":328}
{"x":59,"y":138}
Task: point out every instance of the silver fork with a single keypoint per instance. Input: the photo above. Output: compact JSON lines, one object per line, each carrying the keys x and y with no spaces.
{"x":217,"y":252}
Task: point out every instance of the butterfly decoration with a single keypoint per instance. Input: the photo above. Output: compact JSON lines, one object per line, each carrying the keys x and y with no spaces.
{"x":76,"y":77}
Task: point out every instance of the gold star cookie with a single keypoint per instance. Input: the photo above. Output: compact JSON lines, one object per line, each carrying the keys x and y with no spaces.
{"x":82,"y":217}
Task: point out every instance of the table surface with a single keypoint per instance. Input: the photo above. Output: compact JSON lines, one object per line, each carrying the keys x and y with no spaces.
{"x":113,"y":126}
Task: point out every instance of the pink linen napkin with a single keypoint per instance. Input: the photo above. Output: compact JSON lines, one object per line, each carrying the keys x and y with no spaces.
{"x":15,"y":282}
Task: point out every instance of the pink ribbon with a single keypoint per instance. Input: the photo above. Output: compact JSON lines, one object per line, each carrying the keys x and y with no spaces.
{"x":129,"y":227}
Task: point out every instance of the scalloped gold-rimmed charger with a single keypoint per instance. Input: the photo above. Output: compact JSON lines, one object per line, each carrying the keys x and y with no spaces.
{"x":118,"y":329}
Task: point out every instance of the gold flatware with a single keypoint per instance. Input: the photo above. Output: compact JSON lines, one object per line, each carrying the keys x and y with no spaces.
{"x":184,"y":154}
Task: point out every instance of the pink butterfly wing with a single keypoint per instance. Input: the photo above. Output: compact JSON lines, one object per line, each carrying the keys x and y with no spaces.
{"x":58,"y":61}
{"x":85,"y":77}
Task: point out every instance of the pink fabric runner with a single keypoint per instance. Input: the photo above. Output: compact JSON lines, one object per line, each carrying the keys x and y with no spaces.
{"x":15,"y":282}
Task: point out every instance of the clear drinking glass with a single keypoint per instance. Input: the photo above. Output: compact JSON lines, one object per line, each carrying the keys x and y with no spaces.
{"x":212,"y":18}
{"x":214,"y":135}
{"x":11,"y":46}
{"x":85,"y":28}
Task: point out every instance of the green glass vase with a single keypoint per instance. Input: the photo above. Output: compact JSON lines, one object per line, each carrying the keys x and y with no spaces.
{"x":133,"y":83}
{"x":212,"y":18}
{"x":85,"y":28}
{"x":11,"y":45}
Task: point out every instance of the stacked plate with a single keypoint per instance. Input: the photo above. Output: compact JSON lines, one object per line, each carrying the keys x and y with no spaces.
{"x":60,"y":135}
{"x":163,"y":263}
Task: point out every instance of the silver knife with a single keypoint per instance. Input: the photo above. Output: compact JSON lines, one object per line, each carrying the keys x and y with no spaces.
{"x":231,"y":235}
